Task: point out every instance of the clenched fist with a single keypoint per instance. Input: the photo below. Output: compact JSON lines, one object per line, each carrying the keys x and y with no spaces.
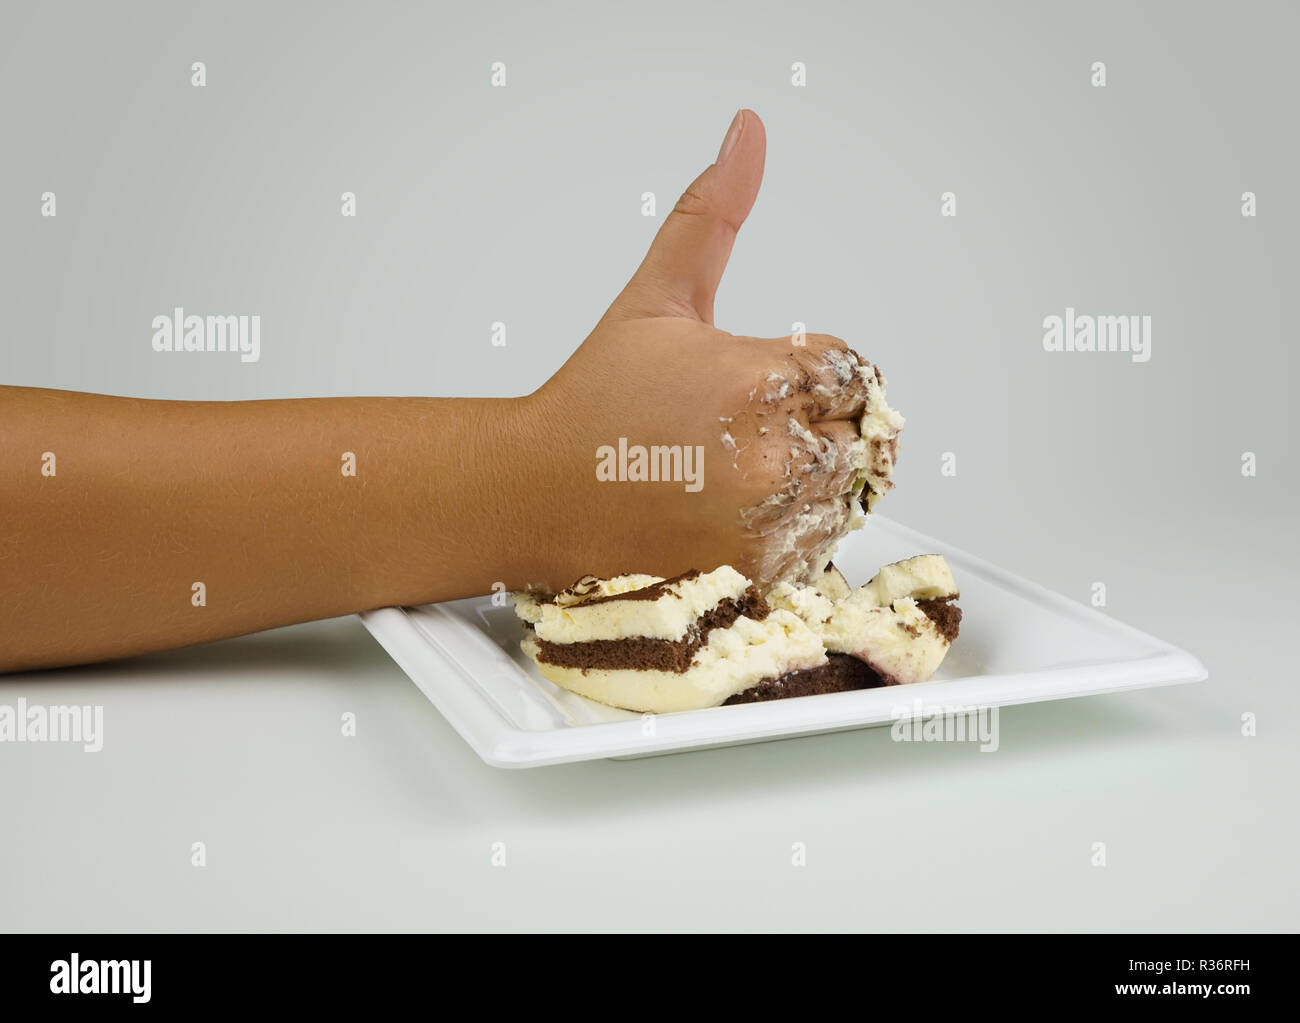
{"x":774,"y":423}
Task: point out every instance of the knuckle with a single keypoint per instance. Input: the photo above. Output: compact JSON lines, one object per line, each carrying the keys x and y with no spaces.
{"x":692,"y":203}
{"x":829,"y":341}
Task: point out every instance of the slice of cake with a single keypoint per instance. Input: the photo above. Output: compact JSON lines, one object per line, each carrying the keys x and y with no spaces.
{"x":649,"y":644}
{"x":703,"y":639}
{"x":895,"y":630}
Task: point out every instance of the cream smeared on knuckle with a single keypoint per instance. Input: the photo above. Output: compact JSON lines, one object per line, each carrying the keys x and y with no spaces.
{"x":849,"y":478}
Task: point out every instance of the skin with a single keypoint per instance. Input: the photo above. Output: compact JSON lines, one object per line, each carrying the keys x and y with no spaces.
{"x":450,"y":495}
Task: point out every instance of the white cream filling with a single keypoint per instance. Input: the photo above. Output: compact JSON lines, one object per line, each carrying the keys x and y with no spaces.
{"x":808,"y":602}
{"x":528,"y":605}
{"x":879,"y":623}
{"x":879,"y":423}
{"x":832,"y":583}
{"x":671,"y":616}
{"x":732,"y":660}
{"x":900,"y":642}
{"x":924,"y":577}
{"x":589,"y":588}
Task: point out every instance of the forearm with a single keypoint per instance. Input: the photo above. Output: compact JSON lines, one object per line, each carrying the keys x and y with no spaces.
{"x":283,"y":511}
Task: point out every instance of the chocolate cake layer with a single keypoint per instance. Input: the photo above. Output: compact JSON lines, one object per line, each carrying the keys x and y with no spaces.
{"x":945,"y":614}
{"x":644,"y":654}
{"x":841,"y":673}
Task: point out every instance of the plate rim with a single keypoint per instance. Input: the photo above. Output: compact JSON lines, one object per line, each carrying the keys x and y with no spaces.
{"x":501,"y":744}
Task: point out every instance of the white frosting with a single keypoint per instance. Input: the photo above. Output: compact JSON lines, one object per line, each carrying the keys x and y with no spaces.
{"x":831,"y":582}
{"x":879,"y":423}
{"x":808,"y":602}
{"x":529,"y":605}
{"x":899,"y":642}
{"x":671,"y":616}
{"x":924,"y":577}
{"x":879,"y":623}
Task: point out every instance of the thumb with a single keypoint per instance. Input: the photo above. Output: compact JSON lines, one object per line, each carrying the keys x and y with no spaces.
{"x":680,"y":274}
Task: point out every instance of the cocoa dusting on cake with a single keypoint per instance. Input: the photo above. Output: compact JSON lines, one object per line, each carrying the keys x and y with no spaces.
{"x":645,"y":654}
{"x":652,"y":592}
{"x":841,"y":673}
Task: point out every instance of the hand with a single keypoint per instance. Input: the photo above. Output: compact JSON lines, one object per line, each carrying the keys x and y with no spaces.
{"x":776,"y":421}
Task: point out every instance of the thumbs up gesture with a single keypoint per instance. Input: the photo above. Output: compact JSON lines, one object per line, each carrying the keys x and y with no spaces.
{"x":666,"y":443}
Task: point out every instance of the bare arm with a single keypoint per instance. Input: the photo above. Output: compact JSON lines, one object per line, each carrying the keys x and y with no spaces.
{"x":113,"y":510}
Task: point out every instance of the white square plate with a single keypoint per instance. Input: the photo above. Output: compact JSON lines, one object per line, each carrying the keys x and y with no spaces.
{"x":1019,"y":643}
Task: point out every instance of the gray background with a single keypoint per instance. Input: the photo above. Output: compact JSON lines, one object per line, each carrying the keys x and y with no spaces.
{"x":522,"y":204}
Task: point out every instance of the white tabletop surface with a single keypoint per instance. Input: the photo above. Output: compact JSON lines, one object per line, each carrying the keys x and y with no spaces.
{"x":238,"y":745}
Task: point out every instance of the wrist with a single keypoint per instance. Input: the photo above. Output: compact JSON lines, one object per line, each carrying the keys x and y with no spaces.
{"x":529,"y":489}
{"x":464,"y":506}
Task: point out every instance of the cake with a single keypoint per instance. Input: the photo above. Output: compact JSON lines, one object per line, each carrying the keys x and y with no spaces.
{"x":649,"y":644}
{"x":704,"y":639}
